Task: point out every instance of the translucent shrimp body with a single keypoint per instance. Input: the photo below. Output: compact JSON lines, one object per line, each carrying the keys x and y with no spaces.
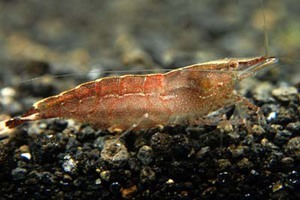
{"x":178,"y":96}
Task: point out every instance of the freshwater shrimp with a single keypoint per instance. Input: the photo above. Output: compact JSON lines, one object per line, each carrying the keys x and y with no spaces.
{"x":179,"y":96}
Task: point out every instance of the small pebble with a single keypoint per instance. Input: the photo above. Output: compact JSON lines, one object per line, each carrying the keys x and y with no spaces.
{"x":24,"y":149}
{"x":262,"y":91}
{"x":226,"y":127}
{"x":294,"y":127}
{"x":59,"y":125}
{"x":18,"y":173}
{"x":7,"y":92}
{"x":223,"y":164}
{"x":244,"y":163}
{"x":258,"y":130}
{"x":105,"y":175}
{"x":238,"y":151}
{"x":147,"y":175}
{"x":98,"y":181}
{"x":26,"y":156}
{"x":69,"y":165}
{"x":271,"y":116}
{"x":87,"y":132}
{"x":234,"y":135}
{"x":145,"y":154}
{"x":285,"y":94}
{"x":266,"y":143}
{"x":277,"y":186}
{"x":294,"y":145}
{"x":288,"y":161}
{"x":115,"y":153}
{"x":128,"y":192}
{"x":202,"y":152}
{"x":99,"y":142}
{"x":161,"y":143}
{"x":170,"y":181}
{"x":46,"y":177}
{"x":282,"y":137}
{"x":254,"y":173}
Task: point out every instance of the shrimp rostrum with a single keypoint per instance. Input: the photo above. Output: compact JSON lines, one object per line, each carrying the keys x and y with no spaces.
{"x":178,"y":96}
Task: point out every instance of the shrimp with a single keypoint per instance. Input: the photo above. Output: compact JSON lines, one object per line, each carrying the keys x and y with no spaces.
{"x":178,"y":96}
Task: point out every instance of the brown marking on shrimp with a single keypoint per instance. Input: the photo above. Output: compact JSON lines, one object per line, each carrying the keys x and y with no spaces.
{"x":181,"y":95}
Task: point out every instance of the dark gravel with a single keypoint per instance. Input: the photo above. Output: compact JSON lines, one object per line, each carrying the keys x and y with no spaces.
{"x":62,"y":159}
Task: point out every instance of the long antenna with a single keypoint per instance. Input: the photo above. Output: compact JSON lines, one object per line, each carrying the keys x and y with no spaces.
{"x":267,"y":53}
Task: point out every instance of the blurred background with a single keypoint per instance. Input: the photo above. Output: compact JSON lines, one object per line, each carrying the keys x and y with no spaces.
{"x":89,"y":38}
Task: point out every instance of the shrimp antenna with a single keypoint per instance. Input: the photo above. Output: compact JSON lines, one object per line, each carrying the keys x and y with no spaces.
{"x":267,"y":52}
{"x":133,"y":71}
